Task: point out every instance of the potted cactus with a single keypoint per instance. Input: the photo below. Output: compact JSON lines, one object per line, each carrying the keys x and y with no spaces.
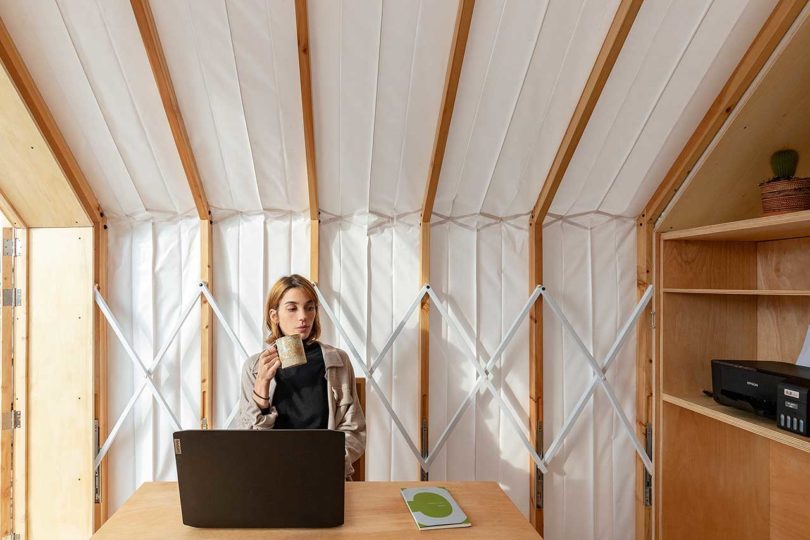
{"x":785,"y":192}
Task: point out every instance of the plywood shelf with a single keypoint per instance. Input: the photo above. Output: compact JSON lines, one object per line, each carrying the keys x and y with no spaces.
{"x":739,"y":292}
{"x":750,"y":422}
{"x":779,"y":227}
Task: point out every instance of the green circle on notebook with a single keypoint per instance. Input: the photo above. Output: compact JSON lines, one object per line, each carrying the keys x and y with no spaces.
{"x":431,"y":504}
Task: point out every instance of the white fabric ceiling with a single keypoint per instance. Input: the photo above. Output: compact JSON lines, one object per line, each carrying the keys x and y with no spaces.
{"x":378,"y":71}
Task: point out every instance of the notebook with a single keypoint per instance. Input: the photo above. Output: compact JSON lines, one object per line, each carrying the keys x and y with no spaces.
{"x":434,"y":508}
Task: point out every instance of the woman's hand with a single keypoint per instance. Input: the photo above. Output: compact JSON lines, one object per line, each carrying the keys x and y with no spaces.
{"x":267,"y":366}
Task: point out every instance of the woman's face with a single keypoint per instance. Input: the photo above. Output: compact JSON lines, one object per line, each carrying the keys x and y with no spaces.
{"x":295,"y":314}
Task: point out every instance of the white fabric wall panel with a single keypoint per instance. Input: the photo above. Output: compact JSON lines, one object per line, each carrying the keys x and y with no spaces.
{"x":414,"y":45}
{"x":482,"y":275}
{"x":153,"y":272}
{"x":590,"y":491}
{"x":370,"y":278}
{"x":235,"y":71}
{"x":525,"y":66}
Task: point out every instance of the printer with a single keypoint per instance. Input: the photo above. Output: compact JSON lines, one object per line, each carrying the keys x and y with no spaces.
{"x":759,"y":387}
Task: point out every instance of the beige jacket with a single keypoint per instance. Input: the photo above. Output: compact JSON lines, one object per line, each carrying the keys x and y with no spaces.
{"x":345,"y":413}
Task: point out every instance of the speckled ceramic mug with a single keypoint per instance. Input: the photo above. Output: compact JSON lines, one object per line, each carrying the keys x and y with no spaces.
{"x":291,"y":351}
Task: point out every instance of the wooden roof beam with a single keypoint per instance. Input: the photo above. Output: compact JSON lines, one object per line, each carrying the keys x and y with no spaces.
{"x":163,"y":79}
{"x":304,"y":70}
{"x":614,"y":41}
{"x":459,"y":46}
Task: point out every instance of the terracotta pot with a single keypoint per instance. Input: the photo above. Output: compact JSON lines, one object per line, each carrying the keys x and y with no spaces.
{"x":785,"y":195}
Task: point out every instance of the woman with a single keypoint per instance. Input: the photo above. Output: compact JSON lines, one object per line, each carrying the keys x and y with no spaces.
{"x":320,"y":394}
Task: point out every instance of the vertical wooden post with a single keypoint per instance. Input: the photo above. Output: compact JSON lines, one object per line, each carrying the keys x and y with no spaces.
{"x":424,"y":344}
{"x":206,"y":328}
{"x":644,"y":391}
{"x":100,"y":390}
{"x":535,"y":371}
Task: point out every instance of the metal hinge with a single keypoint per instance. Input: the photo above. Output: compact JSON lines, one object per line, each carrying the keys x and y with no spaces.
{"x":12,"y":297}
{"x":12,"y":247}
{"x":12,"y":420}
{"x":12,"y":536}
{"x":178,"y":449}
{"x":538,"y":474}
{"x":97,"y":479}
{"x":648,"y":432}
{"x":204,"y":423}
{"x":425,"y":474}
{"x":652,"y":319}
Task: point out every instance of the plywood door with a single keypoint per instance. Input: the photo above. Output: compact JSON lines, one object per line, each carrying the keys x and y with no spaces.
{"x":60,"y":384}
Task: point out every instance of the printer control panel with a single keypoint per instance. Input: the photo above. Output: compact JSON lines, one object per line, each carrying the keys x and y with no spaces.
{"x":792,"y":408}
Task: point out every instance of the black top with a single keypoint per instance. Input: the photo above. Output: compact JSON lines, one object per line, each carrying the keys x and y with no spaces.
{"x":300,"y":396}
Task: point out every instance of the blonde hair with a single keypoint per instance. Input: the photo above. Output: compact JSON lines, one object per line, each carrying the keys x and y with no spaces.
{"x":274,"y":297}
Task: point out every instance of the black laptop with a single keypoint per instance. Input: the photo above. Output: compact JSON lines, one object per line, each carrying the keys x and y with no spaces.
{"x":260,"y":479}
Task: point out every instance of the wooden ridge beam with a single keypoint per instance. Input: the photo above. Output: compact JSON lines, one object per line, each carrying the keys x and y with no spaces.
{"x":458,"y":47}
{"x":304,"y":70}
{"x":614,"y":41}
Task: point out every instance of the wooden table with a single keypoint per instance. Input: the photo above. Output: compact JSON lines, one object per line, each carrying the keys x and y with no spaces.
{"x":373,"y":510}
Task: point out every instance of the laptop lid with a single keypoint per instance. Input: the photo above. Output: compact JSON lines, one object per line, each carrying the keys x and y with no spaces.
{"x":264,"y":479}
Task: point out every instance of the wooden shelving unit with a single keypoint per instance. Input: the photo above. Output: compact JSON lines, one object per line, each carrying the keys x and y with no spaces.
{"x":738,"y":290}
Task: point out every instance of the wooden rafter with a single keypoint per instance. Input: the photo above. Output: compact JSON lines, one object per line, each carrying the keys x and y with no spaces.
{"x":160,"y":69}
{"x":452,"y":77}
{"x":304,"y":70}
{"x":762,"y":47}
{"x":459,"y":46}
{"x":614,"y":41}
{"x":606,"y":59}
{"x":163,"y":79}
{"x":46,"y":124}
